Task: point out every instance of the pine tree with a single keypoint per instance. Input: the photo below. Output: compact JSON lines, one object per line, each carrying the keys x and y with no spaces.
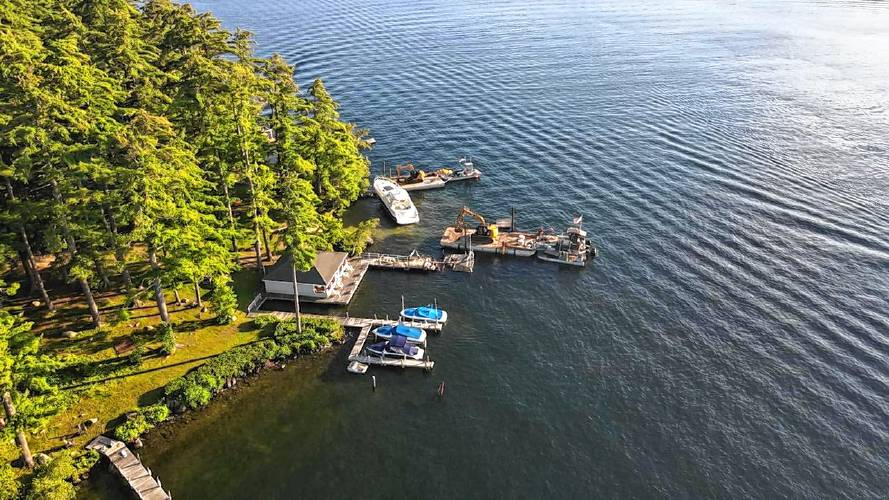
{"x":174,"y":216}
{"x":334,"y":148}
{"x":28,"y":396}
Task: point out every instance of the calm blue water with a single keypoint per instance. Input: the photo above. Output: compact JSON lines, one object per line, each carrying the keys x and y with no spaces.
{"x":731,"y":160}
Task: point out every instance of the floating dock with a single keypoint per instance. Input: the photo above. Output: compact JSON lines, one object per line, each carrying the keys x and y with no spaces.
{"x":129,"y":467}
{"x":413,"y":262}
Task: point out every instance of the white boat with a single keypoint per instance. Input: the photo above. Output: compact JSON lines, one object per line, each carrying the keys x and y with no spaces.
{"x":396,"y":200}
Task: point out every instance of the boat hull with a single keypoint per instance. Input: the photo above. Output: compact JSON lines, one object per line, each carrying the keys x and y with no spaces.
{"x":434,"y":183}
{"x":488,"y":248}
{"x":388,"y":354}
{"x":401,"y":217}
{"x":388,"y":335}
{"x":579,"y":262}
{"x":442,"y":320}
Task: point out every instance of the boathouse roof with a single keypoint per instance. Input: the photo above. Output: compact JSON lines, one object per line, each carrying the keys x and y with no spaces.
{"x":326,"y":265}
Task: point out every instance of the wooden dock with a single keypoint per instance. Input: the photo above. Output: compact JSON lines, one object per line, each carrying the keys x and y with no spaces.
{"x":413,"y":262}
{"x":358,"y":358}
{"x":129,"y":467}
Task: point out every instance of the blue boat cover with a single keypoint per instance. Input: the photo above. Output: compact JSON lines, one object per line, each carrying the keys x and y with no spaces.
{"x":426,"y":312}
{"x":398,"y":341}
{"x":399,"y":329}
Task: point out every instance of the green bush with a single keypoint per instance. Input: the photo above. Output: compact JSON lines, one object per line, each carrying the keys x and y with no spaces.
{"x":223,"y":302}
{"x":123,"y":315}
{"x":168,"y":341}
{"x":132,"y":428}
{"x":197,"y":387}
{"x":9,"y":485}
{"x":52,"y":481}
{"x":195,"y":396}
{"x":264,"y":321}
{"x":156,"y":414}
{"x":135,"y":357}
{"x":85,"y":461}
{"x":141,"y":422}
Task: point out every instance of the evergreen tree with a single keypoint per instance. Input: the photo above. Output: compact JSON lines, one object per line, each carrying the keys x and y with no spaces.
{"x":28,"y":396}
{"x":334,"y":148}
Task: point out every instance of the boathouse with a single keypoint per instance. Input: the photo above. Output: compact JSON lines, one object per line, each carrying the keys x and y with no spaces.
{"x":323,"y":281}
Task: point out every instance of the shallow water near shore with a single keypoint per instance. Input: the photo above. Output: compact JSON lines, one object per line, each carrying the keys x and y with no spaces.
{"x":731,"y":164}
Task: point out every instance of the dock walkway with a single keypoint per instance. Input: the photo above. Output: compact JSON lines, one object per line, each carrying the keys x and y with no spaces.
{"x":128,"y":466}
{"x":413,"y":262}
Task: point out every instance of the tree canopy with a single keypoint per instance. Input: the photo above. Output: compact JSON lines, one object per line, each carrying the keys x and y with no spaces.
{"x":143,"y":146}
{"x":147,"y":125}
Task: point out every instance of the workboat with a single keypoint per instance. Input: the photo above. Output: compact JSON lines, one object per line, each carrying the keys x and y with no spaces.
{"x":397,"y":347}
{"x":466,"y":171}
{"x":488,"y":238}
{"x":413,"y":335}
{"x":410,"y":178}
{"x":430,"y":314}
{"x":572,"y":248}
{"x":396,"y":200}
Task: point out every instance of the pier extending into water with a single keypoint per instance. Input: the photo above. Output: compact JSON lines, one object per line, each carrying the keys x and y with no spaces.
{"x":413,"y":262}
{"x":128,"y":466}
{"x":358,"y":358}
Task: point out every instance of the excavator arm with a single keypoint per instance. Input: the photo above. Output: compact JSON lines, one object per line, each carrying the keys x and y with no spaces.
{"x":399,"y":169}
{"x":460,"y":224}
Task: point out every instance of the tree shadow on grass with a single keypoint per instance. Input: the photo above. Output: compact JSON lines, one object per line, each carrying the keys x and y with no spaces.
{"x":193,"y":325}
{"x":135,"y":373}
{"x":151,"y":397}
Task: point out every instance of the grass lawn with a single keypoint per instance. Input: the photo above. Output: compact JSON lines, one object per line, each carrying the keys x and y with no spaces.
{"x":112,"y":384}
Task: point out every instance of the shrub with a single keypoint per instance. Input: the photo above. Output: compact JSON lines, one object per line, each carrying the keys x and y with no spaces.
{"x":223,"y":302}
{"x":197,"y":387}
{"x":141,"y":422}
{"x":52,"y":481}
{"x":135,"y":357}
{"x":123,"y":315}
{"x":132,"y":428}
{"x":265,"y":321}
{"x":195,"y":396}
{"x":9,"y":485}
{"x":156,"y":414}
{"x":85,"y":461}
{"x":168,"y":341}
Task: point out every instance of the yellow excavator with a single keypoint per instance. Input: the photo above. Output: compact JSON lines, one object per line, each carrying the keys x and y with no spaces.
{"x":483,"y":230}
{"x":413,"y":174}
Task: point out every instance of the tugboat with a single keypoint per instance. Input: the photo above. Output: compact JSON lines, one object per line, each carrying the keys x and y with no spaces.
{"x":572,"y":248}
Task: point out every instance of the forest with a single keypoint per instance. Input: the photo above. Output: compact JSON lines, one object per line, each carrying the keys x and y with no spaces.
{"x":146,"y":149}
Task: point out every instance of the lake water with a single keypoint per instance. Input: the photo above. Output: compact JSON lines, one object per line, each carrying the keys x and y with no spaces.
{"x":731,"y":161}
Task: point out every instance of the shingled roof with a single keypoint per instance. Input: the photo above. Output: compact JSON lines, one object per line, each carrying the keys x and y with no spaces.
{"x":326,"y":265}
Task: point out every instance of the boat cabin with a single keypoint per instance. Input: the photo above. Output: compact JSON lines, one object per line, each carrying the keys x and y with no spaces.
{"x":323,"y":280}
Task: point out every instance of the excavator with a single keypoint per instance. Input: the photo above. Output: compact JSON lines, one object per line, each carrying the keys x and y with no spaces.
{"x":412,"y":174}
{"x":484,"y":233}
